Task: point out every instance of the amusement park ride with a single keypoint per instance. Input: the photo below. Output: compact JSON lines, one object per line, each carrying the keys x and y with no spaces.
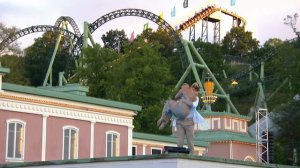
{"x":191,"y":59}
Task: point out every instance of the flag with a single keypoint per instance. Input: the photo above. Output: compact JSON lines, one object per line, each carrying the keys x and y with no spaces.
{"x":185,"y":3}
{"x":232,"y":2}
{"x":132,"y":37}
{"x":146,"y":26}
{"x":161,"y":15}
{"x":173,"y":12}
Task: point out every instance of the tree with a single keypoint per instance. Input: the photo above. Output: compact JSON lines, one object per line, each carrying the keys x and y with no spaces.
{"x":97,"y":62}
{"x":168,"y":49}
{"x":239,"y":42}
{"x":213,"y":57}
{"x":139,"y":76}
{"x":273,"y":42}
{"x":291,"y":20}
{"x":115,"y":40}
{"x":287,"y":119}
{"x":144,"y":79}
{"x":38,"y":56}
{"x":17,"y":69}
{"x":13,"y":48}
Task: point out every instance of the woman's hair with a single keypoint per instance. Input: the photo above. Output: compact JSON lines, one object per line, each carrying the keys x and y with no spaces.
{"x":195,"y":86}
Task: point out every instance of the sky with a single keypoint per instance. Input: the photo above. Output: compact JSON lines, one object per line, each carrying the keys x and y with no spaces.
{"x":265,"y":18}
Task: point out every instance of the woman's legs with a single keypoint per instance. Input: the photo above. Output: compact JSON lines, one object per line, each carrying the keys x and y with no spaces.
{"x":165,"y":116}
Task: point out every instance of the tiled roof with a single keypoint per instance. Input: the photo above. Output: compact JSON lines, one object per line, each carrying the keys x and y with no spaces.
{"x":67,"y":96}
{"x":215,"y":136}
{"x":4,"y":70}
{"x":166,"y":138}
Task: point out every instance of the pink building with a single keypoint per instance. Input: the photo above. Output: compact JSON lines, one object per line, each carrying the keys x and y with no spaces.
{"x":38,"y":125}
{"x":228,"y":136}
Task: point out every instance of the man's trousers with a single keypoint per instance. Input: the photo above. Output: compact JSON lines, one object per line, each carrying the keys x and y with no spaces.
{"x":185,"y":128}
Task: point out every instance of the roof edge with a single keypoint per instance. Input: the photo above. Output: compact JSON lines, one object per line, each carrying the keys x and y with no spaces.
{"x":68,"y":96}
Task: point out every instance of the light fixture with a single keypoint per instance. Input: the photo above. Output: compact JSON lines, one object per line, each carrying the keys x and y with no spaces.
{"x":234,"y":83}
{"x":209,"y":98}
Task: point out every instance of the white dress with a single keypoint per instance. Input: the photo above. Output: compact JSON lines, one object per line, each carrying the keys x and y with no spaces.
{"x":197,"y":118}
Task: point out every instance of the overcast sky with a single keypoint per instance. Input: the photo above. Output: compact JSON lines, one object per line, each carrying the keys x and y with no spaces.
{"x":264,"y":17}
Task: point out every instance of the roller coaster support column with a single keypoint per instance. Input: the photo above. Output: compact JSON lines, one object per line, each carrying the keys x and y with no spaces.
{"x":217,"y":32}
{"x":192,"y":33}
{"x":262,"y":71}
{"x":204,"y":34}
{"x":61,"y":79}
{"x":87,"y":35}
{"x":260,"y":100}
{"x":235,"y":22}
{"x":250,"y":73}
{"x":49,"y":71}
{"x":192,"y":66}
{"x":219,"y":87}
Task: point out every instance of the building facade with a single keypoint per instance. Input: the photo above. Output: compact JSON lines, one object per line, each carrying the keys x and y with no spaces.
{"x":39,"y":125}
{"x":228,"y":136}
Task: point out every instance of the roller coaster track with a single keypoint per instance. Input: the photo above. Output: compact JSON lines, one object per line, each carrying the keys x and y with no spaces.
{"x":205,"y":13}
{"x":34,"y":29}
{"x":127,"y":12}
{"x":70,"y":21}
{"x":254,"y":65}
{"x":77,"y":37}
{"x":138,"y":13}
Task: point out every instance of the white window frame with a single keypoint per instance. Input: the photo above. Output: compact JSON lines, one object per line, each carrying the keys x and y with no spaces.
{"x":70,"y":127}
{"x":118,"y":139}
{"x":156,"y":149}
{"x":135,"y":146}
{"x":23,"y":123}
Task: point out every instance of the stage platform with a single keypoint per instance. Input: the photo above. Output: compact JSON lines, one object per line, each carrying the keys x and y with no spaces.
{"x":174,"y":160}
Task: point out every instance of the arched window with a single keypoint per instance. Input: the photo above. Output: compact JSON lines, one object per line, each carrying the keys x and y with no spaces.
{"x":70,"y":142}
{"x":15,"y":139}
{"x":112,"y":144}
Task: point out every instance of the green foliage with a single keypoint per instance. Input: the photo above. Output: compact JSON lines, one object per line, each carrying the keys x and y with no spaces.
{"x":147,"y":74}
{"x":287,"y":119}
{"x":285,"y":65}
{"x":115,"y":39}
{"x":273,"y":42}
{"x":167,"y":48}
{"x":17,"y":69}
{"x":13,"y":48}
{"x":97,"y":63}
{"x":239,"y":42}
{"x":144,"y":76}
{"x":167,"y":42}
{"x":213,"y":56}
{"x":140,"y":76}
{"x":146,"y":120}
{"x":38,"y":56}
